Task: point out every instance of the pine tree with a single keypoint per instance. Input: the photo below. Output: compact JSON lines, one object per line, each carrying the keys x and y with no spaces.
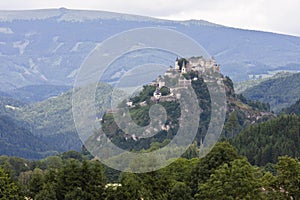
{"x":232,"y":125}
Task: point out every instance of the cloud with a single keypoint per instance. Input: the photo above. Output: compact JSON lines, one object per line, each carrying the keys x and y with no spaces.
{"x":271,"y":15}
{"x":277,"y":16}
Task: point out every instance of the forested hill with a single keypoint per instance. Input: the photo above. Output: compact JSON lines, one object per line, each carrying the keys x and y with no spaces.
{"x":240,"y":113}
{"x":25,"y":128}
{"x":280,"y":92}
{"x":295,"y":108}
{"x":17,"y":140}
{"x":264,"y":143}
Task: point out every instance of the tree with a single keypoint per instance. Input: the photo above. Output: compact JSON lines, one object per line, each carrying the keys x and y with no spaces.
{"x":8,"y":189}
{"x":180,"y":170}
{"x":92,"y":179}
{"x":36,"y":182}
{"x":53,"y":162}
{"x":68,"y":178}
{"x":192,"y":151}
{"x":131,"y":187}
{"x":72,"y":154}
{"x":80,"y":181}
{"x":156,"y":184}
{"x":180,"y":191}
{"x":222,"y":153}
{"x":232,"y":125}
{"x":288,"y":177}
{"x":234,"y":180}
{"x":269,"y":187}
{"x":47,"y":193}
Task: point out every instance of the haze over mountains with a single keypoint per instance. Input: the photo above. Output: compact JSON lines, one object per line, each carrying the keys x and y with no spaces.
{"x":42,"y":50}
{"x":48,"y":46}
{"x":216,"y":139}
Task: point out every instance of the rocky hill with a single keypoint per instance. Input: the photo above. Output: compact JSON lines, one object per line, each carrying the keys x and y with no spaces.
{"x":239,"y":113}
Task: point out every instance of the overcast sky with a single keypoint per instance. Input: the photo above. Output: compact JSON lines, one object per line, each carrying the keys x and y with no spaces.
{"x":281,"y":16}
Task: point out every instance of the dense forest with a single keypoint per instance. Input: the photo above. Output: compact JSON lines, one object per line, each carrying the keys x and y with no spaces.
{"x":222,"y":174}
{"x":263,"y":143}
{"x":279,"y":92}
{"x":295,"y":108}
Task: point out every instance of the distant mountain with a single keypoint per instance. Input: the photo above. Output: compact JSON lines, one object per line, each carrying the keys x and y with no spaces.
{"x":48,"y":46}
{"x":36,"y":93}
{"x":43,"y":128}
{"x":240,"y":87}
{"x":295,"y":108}
{"x":279,"y":92}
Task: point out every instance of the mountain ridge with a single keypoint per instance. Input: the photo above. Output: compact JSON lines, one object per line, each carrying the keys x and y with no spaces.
{"x":41,"y":48}
{"x":98,"y":14}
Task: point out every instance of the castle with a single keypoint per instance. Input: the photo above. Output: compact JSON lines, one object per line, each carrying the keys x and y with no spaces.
{"x":197,"y":64}
{"x":183,"y":66}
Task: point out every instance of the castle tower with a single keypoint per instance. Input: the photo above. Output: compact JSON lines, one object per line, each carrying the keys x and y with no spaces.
{"x":183,"y":69}
{"x":176,"y":64}
{"x":161,"y":82}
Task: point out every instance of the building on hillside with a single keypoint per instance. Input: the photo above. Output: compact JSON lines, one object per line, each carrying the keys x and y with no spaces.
{"x":182,"y":66}
{"x":157,"y":94}
{"x":198,"y":64}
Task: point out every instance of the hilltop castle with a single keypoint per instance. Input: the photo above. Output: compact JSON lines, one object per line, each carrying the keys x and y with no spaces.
{"x":183,"y":66}
{"x":197,"y":64}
